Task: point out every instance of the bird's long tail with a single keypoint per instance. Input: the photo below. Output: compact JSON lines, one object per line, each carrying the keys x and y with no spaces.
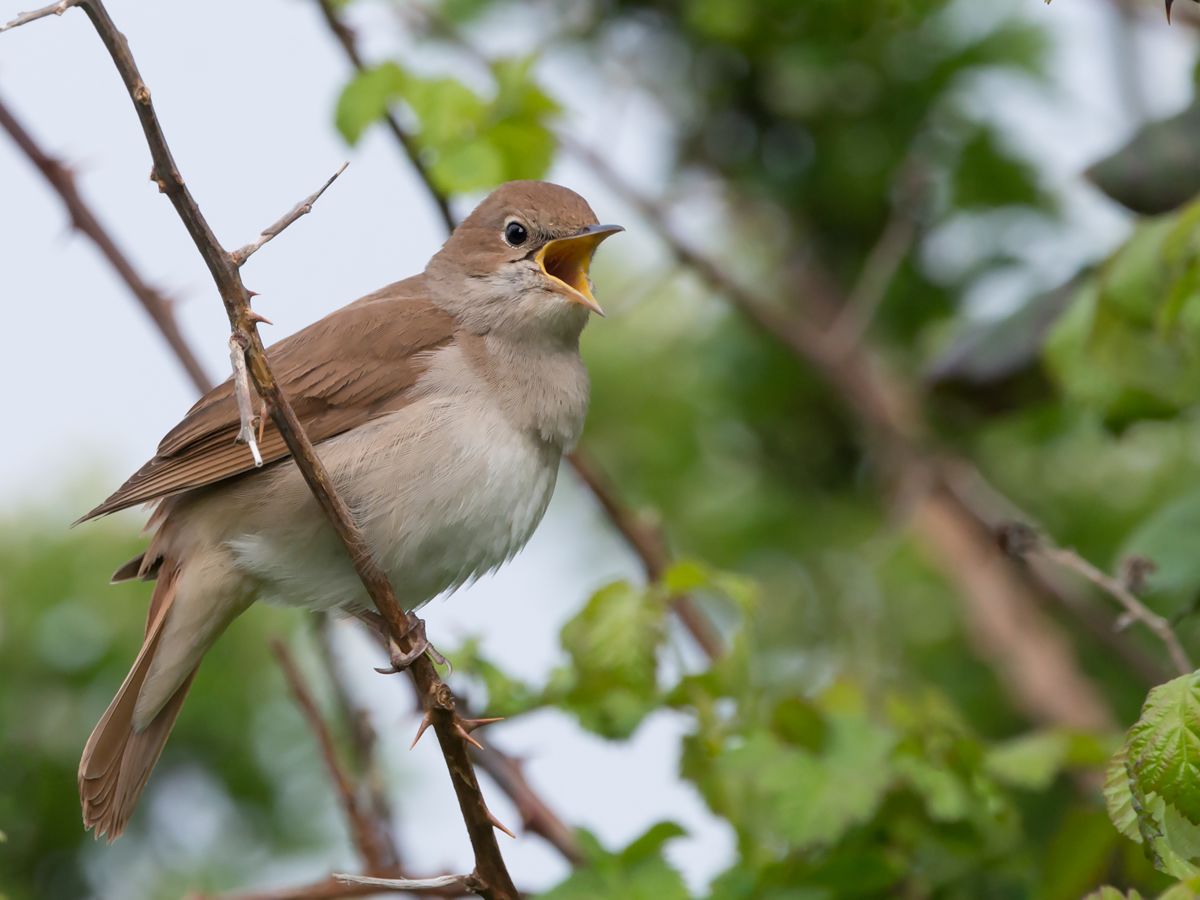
{"x":119,"y":757}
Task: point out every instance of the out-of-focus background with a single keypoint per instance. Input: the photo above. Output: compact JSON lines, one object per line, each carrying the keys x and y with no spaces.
{"x":895,"y":274}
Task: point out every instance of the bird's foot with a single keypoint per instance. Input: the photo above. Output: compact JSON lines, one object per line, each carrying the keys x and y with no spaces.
{"x":402,"y":659}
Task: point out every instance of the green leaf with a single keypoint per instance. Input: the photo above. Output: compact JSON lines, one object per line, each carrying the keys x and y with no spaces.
{"x":524,"y":149}
{"x":613,"y":646}
{"x":1167,"y":537}
{"x":1118,"y":798}
{"x":517,"y":94}
{"x":1030,"y":762}
{"x":638,"y":872}
{"x":1160,"y":794}
{"x":1112,"y":893}
{"x":468,"y":167}
{"x":468,"y":142}
{"x":988,"y":175}
{"x":448,"y":111}
{"x":1188,"y":889}
{"x":774,"y":791}
{"x":1163,"y":747}
{"x":366,"y":98}
{"x":651,"y":843}
{"x":943,"y":792}
{"x":1129,"y":345}
{"x":506,"y":696}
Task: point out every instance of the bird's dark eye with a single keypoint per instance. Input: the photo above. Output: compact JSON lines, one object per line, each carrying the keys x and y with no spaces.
{"x":516,"y":234}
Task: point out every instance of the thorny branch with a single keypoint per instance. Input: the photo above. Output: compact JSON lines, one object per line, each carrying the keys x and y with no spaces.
{"x":491,"y":876}
{"x":1025,"y":542}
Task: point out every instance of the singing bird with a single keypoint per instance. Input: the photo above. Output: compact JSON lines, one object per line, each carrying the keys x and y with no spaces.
{"x":441,"y":406}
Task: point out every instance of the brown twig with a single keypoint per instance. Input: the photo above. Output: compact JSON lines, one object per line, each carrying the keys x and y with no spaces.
{"x":1135,"y":610}
{"x":490,"y":871}
{"x":84,"y":220}
{"x":345,"y":37}
{"x":329,"y":888}
{"x":464,"y":884}
{"x":878,"y":272}
{"x":54,"y":9}
{"x":362,"y":737}
{"x":373,"y":845}
{"x":1025,"y":542}
{"x":646,"y":540}
{"x":303,"y":208}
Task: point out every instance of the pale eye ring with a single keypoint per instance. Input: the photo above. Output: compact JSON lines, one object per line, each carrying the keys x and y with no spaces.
{"x":515,"y":234}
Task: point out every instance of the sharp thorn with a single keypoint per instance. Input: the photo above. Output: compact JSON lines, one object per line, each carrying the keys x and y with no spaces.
{"x":472,"y":724}
{"x":466,"y":736}
{"x":258,"y":317}
{"x":496,"y":823}
{"x":250,"y":293}
{"x":426,"y":721}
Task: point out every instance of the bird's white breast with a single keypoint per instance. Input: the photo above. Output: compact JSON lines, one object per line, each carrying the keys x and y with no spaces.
{"x":445,"y":489}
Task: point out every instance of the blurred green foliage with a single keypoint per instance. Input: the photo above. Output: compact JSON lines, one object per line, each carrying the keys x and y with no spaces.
{"x":66,"y":641}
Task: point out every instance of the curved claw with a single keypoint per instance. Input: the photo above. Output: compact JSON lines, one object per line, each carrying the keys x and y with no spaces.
{"x":400,"y":660}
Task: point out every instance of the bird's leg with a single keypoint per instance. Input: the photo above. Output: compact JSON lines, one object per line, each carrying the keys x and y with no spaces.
{"x":398,"y":658}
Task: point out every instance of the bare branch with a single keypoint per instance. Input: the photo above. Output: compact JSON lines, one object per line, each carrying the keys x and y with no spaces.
{"x":363,"y":739}
{"x":272,"y":231}
{"x":876,"y":277}
{"x":373,"y":845}
{"x":1023,"y":541}
{"x":493,"y":877}
{"x":84,"y":220}
{"x":462,"y":883}
{"x":330,"y":888}
{"x":54,"y":9}
{"x":247,"y":432}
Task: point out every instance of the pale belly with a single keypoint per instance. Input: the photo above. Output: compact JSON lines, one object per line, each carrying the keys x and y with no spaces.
{"x":444,"y":491}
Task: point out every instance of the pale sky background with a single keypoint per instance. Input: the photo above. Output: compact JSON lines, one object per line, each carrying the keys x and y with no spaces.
{"x":245,"y":92}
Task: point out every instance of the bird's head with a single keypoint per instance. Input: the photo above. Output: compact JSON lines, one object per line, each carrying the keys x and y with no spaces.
{"x":519,"y":263}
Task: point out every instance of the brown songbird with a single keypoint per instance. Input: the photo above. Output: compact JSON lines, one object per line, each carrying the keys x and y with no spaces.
{"x":441,"y":406}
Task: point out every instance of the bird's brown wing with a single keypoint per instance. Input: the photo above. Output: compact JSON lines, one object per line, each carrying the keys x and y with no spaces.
{"x":351,"y":366}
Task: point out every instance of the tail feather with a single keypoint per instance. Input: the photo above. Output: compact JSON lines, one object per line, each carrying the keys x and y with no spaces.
{"x":118,"y":759}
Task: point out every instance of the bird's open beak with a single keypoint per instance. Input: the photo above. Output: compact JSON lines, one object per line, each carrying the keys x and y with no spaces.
{"x":566,"y":260}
